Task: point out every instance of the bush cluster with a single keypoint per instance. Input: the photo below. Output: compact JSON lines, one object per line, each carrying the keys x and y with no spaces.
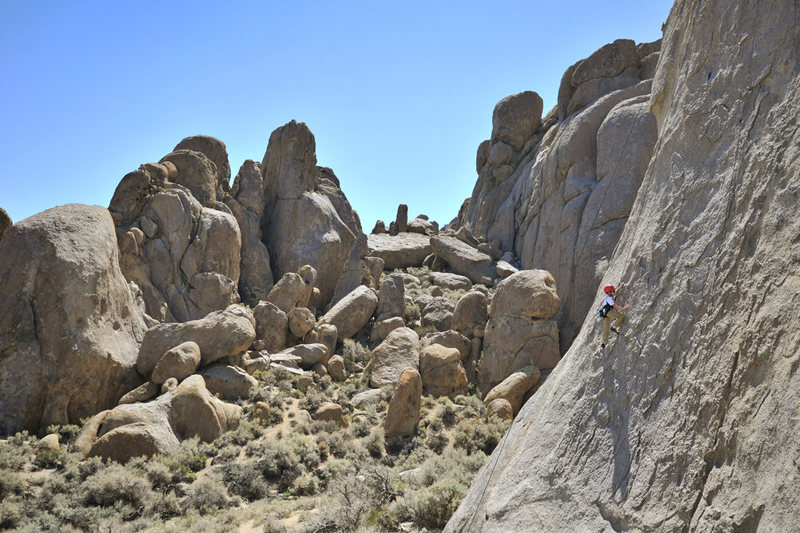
{"x":285,"y":468}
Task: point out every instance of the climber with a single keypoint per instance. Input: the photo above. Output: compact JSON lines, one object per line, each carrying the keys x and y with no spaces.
{"x":611,"y":310}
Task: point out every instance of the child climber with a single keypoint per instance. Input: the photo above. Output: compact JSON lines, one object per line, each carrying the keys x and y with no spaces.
{"x":611,"y":311}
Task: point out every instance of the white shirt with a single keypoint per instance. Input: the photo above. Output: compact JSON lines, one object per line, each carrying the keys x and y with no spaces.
{"x":609,"y":300}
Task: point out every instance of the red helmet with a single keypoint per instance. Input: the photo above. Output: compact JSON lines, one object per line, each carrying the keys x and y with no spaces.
{"x":608,"y":288}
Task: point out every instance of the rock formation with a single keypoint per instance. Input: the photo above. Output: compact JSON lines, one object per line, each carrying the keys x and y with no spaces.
{"x":158,"y":427}
{"x":69,"y":330}
{"x":690,"y":422}
{"x":184,"y":255}
{"x":557,"y":192}
{"x":5,"y":222}
{"x":307,"y":219}
{"x":520,"y":331}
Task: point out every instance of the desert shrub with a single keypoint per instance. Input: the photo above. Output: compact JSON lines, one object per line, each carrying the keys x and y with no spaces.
{"x":90,"y":466}
{"x":447,"y":413}
{"x":424,"y":330}
{"x":436,"y":441}
{"x":10,"y":484}
{"x":14,"y":453}
{"x":206,"y":495}
{"x":359,"y":498}
{"x":247,"y":431}
{"x":312,"y":400}
{"x":163,"y":505}
{"x":305,"y":485}
{"x":66,"y":433}
{"x":158,"y":474}
{"x":354,"y":352}
{"x":10,"y":514}
{"x":339,"y":443}
{"x":431,"y":424}
{"x":193,"y":454}
{"x":476,"y":434}
{"x":448,"y":477}
{"x":227,"y":454}
{"x":270,"y":525}
{"x":429,"y":507}
{"x":58,"y":491}
{"x":323,"y":427}
{"x":46,"y":458}
{"x":412,"y":313}
{"x":473,"y":406}
{"x":374,"y":443}
{"x":245,"y":480}
{"x":361,"y":427}
{"x":395,"y":445}
{"x":306,"y":449}
{"x":115,"y":484}
{"x":278,"y":463}
{"x":453,"y":294}
{"x":324,"y":383}
{"x":277,"y":377}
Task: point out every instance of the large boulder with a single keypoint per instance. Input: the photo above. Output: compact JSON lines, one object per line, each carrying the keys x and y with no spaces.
{"x":514,"y":388}
{"x":391,"y":298}
{"x":438,"y":313}
{"x":450,"y":281}
{"x":400,"y":350}
{"x":450,"y":339}
{"x":69,"y":329}
{"x":308,"y":355}
{"x":511,"y":343}
{"x":288,"y":292}
{"x":400,"y":251}
{"x":442,"y":372}
{"x":464,"y":259}
{"x":307,"y":218}
{"x":403,"y":414}
{"x":516,"y":118}
{"x":526,"y":294}
{"x":197,"y":173}
{"x":179,"y":362}
{"x":255,"y":277}
{"x":552,"y":204}
{"x":272,"y":327}
{"x":158,"y":427}
{"x":470,"y":314}
{"x":352,"y":312}
{"x":381,"y":329}
{"x":219,"y":334}
{"x":215,"y":151}
{"x":230,"y":383}
{"x":301,"y":321}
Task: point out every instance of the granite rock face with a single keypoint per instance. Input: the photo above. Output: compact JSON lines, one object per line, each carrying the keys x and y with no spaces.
{"x":5,"y":222}
{"x":560,"y":199}
{"x":307,"y":219}
{"x":184,"y":255}
{"x":691,"y":421}
{"x":69,"y":329}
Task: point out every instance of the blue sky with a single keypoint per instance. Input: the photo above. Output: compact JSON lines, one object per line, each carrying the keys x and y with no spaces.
{"x":397,"y":94}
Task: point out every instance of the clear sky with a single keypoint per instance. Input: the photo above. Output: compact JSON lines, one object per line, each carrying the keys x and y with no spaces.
{"x":397,"y":94}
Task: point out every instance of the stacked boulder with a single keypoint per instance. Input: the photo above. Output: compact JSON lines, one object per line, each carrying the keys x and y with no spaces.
{"x":307,"y":218}
{"x":521,"y":331}
{"x":177,"y":242}
{"x":158,"y":427}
